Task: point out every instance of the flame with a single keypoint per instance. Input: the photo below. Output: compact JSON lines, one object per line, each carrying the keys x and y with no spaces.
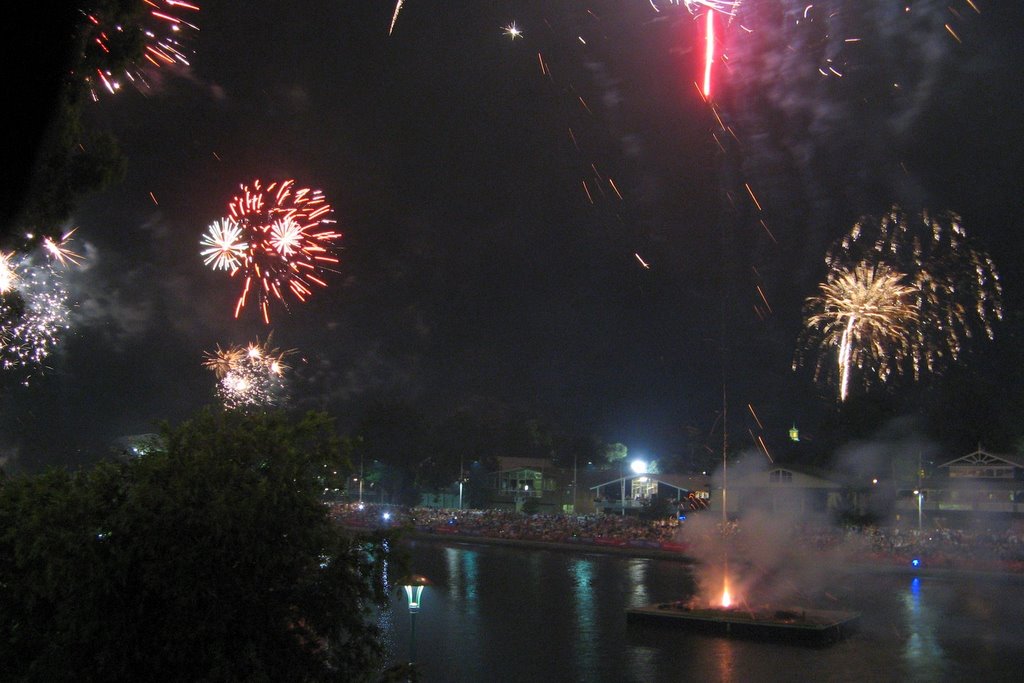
{"x":726,"y":595}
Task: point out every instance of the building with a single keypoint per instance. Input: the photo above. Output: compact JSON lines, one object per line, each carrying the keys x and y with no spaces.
{"x":780,"y":491}
{"x":979,"y":488}
{"x":631,"y":493}
{"x":519,"y":480}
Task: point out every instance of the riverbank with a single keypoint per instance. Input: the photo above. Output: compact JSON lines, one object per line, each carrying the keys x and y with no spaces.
{"x":885,"y":567}
{"x":608,"y":548}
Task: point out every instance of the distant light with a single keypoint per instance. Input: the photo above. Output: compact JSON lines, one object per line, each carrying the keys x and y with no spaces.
{"x":874,"y":481}
{"x":360,"y":506}
{"x":386,"y":516}
{"x":915,"y":562}
{"x":682,"y":518}
{"x":638,"y":467}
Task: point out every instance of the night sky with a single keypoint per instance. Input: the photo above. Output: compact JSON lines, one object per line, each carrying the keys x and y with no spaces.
{"x":474,"y":267}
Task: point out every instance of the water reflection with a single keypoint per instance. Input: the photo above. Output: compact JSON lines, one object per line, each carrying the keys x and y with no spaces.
{"x":923,"y":652}
{"x":463,"y":573}
{"x":503,"y":614}
{"x":385,"y":617}
{"x":581,"y":574}
{"x":637,"y":569}
{"x":723,"y":658}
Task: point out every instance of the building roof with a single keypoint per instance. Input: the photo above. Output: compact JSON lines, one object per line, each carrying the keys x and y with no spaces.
{"x":512,"y":463}
{"x":798,"y":479}
{"x":982,"y":457}
{"x":678,"y":481}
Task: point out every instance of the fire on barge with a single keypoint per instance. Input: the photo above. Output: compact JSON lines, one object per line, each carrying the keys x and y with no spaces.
{"x":805,"y":626}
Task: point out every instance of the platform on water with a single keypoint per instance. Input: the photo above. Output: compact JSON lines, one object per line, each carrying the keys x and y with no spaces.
{"x":808,"y":626}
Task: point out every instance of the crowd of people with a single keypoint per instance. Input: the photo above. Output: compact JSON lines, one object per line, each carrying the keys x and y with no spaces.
{"x":985,"y":550}
{"x":507,"y":524}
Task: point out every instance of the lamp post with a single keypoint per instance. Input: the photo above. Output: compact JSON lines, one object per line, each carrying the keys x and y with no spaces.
{"x":920,"y":496}
{"x":413,"y":586}
{"x":622,"y":492}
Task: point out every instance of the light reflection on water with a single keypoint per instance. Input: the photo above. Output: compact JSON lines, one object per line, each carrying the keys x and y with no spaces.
{"x":506,"y":614}
{"x":923,"y":652}
{"x":581,"y":571}
{"x":637,"y":568}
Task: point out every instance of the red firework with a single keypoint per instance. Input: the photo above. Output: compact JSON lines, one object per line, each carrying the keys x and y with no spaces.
{"x":126,"y":38}
{"x":287,"y":242}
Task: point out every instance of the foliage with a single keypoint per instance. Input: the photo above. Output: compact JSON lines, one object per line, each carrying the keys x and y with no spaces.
{"x":212,"y":559}
{"x":615,"y":452}
{"x":55,"y":160}
{"x":658,"y":508}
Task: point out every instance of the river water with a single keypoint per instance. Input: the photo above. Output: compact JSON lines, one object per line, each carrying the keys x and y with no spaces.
{"x":497,"y":614}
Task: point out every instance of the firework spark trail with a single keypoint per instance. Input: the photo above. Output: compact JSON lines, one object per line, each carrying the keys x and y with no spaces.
{"x":394,"y":17}
{"x":277,"y":238}
{"x":159,"y":27}
{"x":709,"y":52}
{"x":868,"y":316}
{"x":727,"y":7}
{"x":249,"y":377}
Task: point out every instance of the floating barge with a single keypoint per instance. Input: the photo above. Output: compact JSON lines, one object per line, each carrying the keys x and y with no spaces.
{"x":806,"y":626}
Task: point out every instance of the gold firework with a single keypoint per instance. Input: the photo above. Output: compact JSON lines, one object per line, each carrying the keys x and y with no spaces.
{"x":867,"y":315}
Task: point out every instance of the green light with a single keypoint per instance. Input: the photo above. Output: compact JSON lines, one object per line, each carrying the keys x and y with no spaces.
{"x":794,"y":433}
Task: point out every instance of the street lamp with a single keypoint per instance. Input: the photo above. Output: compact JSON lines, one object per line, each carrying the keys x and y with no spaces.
{"x":413,"y":586}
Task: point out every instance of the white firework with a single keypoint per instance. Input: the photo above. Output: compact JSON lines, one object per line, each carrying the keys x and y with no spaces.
{"x":224,"y":248}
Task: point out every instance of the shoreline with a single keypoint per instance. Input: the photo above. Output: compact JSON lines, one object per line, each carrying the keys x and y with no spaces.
{"x":675,"y":556}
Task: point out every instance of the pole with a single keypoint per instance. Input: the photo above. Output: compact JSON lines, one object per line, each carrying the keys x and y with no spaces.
{"x":360,"y":479}
{"x":622,"y":496}
{"x":460,"y":482}
{"x":725,"y":450}
{"x":920,"y":492}
{"x":575,"y":457}
{"x":412,"y":638}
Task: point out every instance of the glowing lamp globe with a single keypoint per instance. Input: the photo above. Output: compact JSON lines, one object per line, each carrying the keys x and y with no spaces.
{"x":414,"y":590}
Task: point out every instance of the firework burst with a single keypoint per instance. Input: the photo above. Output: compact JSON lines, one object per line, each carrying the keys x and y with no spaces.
{"x":277,"y":238}
{"x":8,"y":273}
{"x":959,"y":294}
{"x":952,"y":289}
{"x":867,"y":316}
{"x":34,"y":303}
{"x":249,"y":377}
{"x":225,"y":246}
{"x":128,"y":42}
